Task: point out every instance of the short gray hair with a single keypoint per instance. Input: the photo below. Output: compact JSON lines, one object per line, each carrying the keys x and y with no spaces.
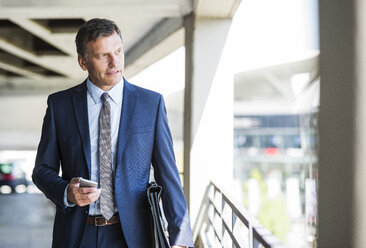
{"x":91,"y":31}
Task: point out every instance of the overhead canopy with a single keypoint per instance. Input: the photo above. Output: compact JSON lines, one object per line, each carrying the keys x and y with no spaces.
{"x":37,"y":48}
{"x":38,"y":53}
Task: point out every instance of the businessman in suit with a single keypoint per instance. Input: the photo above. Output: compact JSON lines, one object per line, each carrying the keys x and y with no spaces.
{"x":109,"y":131}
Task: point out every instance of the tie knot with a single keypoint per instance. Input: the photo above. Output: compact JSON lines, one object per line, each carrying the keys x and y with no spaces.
{"x":104,"y":96}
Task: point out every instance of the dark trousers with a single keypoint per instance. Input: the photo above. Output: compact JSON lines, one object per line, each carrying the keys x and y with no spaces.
{"x":110,"y":236}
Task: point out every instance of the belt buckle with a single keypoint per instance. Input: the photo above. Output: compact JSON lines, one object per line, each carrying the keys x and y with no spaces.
{"x":96,"y":221}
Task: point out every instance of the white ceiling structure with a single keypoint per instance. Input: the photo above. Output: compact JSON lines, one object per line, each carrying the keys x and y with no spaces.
{"x":274,"y":82}
{"x":37,"y":48}
{"x":38,"y":53}
{"x":277,"y":89}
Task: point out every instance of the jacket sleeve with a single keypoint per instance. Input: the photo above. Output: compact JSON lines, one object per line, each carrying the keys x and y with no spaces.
{"x":166,"y":174}
{"x":47,"y":165}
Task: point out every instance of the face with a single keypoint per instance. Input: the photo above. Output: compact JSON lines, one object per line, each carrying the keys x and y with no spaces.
{"x":104,"y":61}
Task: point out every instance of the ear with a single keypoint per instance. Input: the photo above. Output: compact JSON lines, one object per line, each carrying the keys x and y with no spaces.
{"x":82,"y":63}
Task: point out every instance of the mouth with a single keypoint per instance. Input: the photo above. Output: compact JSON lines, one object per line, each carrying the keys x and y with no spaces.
{"x":113,"y":73}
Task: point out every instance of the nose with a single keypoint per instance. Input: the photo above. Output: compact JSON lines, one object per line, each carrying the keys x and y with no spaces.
{"x":112,"y":61}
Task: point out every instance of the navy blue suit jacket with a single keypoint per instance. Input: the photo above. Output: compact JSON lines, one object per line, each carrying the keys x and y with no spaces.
{"x":144,"y":138}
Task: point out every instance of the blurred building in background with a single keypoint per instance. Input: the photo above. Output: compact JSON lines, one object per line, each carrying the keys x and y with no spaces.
{"x":264,"y":98}
{"x":276,"y":147}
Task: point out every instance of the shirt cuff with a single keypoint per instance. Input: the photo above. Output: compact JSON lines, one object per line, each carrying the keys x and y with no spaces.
{"x":66,"y":202}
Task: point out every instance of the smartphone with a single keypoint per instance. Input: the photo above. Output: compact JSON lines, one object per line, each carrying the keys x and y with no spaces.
{"x":87,"y":183}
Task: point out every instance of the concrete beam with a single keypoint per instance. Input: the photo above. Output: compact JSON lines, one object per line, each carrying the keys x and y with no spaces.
{"x":20,"y":71}
{"x":273,"y":82}
{"x":216,"y":9}
{"x":64,"y":42}
{"x":163,"y":39}
{"x":157,"y":34}
{"x":283,"y":87}
{"x":28,"y":86}
{"x":69,"y":11}
{"x":61,"y":64}
{"x":72,"y":3}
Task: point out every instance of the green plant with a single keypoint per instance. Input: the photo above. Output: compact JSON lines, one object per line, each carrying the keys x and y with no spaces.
{"x":272,"y":212}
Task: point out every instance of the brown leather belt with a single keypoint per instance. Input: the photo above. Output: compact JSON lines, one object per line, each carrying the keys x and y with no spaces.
{"x":101,"y":221}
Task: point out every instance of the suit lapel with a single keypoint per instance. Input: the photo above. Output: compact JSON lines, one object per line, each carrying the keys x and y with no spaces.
{"x":81,"y":116}
{"x":128,"y":107}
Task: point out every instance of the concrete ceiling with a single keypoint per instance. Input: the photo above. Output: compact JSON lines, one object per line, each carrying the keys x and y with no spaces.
{"x":37,"y":49}
{"x":38,"y":54}
{"x":274,"y":82}
{"x":277,"y":89}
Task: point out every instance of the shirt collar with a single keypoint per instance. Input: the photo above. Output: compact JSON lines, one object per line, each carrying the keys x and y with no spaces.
{"x":115,"y":93}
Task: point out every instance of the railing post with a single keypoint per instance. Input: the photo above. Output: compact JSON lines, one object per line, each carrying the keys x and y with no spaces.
{"x":250,"y":233}
{"x":257,"y":235}
{"x":233,"y":222}
{"x":222,"y":219}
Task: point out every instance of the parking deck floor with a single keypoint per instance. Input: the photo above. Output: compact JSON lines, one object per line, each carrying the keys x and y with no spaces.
{"x":26,"y":221}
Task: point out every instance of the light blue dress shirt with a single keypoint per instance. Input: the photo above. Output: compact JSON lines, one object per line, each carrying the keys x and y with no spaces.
{"x":94,"y":103}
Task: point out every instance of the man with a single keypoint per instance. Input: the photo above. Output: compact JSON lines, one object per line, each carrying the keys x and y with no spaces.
{"x":109,"y":131}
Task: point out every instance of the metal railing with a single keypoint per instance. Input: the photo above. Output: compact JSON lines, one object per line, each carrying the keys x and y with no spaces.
{"x":221,"y":223}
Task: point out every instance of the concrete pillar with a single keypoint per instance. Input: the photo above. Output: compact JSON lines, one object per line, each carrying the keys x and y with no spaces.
{"x":342,"y":124}
{"x":208,"y":109}
{"x":360,"y":127}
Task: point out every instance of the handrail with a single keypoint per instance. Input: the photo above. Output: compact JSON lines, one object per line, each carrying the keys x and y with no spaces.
{"x":226,"y":224}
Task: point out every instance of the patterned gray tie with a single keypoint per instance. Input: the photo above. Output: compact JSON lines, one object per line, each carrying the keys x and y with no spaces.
{"x":105,"y":160}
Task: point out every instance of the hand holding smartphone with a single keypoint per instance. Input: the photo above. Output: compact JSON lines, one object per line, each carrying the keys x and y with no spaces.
{"x":88,"y":183}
